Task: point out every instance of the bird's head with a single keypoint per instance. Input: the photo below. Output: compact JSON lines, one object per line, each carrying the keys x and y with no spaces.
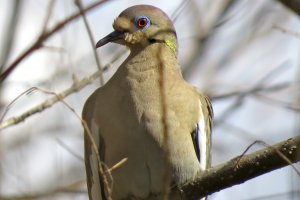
{"x":140,"y":26}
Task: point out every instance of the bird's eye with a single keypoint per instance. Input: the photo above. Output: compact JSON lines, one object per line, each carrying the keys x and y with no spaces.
{"x":142,"y":22}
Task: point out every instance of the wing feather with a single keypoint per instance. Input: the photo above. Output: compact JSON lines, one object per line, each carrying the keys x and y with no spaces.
{"x":94,"y":180}
{"x":202,"y":133}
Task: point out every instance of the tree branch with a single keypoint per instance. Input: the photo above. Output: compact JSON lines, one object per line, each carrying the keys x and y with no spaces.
{"x":77,"y":86}
{"x":243,"y":168}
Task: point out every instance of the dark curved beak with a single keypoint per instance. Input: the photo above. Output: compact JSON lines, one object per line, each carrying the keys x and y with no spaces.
{"x":112,"y":37}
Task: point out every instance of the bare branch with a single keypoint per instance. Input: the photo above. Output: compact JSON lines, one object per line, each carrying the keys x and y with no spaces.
{"x":92,"y":41}
{"x":48,"y":103}
{"x":10,"y":32}
{"x":43,"y":37}
{"x":250,"y":166}
{"x":77,"y":86}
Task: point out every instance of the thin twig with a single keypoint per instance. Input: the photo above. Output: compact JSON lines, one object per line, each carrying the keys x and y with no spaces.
{"x":108,"y":188}
{"x":48,"y":15}
{"x":119,"y":164}
{"x":7,"y":108}
{"x":179,"y":10}
{"x":92,"y":41}
{"x":68,"y":149}
{"x":10,"y":32}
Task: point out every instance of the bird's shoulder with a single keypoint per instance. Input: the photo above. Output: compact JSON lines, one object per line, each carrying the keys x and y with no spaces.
{"x":206,"y":106}
{"x":90,"y":104}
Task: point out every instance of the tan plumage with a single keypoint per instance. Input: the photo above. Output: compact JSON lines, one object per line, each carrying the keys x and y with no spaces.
{"x":125,"y":114}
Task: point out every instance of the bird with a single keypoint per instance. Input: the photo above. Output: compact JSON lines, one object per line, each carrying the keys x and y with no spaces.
{"x":131,"y":118}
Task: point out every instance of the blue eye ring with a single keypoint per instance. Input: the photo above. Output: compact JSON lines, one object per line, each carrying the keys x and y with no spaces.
{"x":142,"y":22}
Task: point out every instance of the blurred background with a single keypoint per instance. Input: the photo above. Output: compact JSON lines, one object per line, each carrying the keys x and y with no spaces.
{"x":244,"y":54}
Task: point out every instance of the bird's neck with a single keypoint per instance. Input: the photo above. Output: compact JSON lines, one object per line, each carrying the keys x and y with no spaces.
{"x":144,"y":67}
{"x":153,"y":57}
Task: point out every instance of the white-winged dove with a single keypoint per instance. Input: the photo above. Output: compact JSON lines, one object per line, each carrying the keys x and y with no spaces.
{"x":127,"y":119}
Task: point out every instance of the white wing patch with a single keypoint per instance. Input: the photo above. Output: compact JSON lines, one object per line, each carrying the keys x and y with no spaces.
{"x":202,"y":139}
